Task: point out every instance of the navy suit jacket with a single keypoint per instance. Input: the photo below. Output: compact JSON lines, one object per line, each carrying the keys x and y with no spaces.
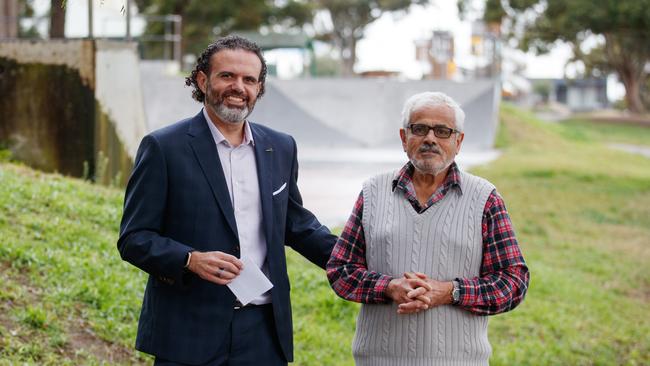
{"x":177,"y":201}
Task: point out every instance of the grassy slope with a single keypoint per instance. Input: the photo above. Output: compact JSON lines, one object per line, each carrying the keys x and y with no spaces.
{"x":583,"y":217}
{"x":582,"y":213}
{"x":58,"y":238}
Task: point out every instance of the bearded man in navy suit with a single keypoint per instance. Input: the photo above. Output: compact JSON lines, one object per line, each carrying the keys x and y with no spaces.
{"x":205,"y":193}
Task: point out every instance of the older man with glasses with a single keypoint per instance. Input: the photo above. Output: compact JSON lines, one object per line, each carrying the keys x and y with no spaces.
{"x":427,"y":249}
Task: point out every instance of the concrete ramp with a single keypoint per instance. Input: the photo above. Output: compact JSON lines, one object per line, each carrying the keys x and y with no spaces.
{"x":280,"y":111}
{"x":351,"y":113}
{"x":167,"y":99}
{"x":369,"y":110}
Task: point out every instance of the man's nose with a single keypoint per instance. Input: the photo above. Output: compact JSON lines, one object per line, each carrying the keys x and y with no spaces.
{"x":237,"y":84}
{"x":430,"y":137}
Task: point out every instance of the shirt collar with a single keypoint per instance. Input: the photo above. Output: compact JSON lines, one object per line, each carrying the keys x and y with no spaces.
{"x":404,"y":177}
{"x":218,"y":136}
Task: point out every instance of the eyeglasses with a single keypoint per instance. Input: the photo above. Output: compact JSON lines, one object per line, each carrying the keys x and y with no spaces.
{"x":442,"y":132}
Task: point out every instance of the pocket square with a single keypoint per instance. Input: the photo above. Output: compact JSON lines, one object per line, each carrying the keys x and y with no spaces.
{"x":280,"y":189}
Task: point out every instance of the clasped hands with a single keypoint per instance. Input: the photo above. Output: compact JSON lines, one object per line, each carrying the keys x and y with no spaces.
{"x":416,"y":292}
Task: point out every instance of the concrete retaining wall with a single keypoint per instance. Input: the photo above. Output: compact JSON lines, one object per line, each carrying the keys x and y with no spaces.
{"x":72,"y":106}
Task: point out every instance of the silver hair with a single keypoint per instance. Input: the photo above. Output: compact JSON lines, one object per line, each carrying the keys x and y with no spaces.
{"x":432,"y":99}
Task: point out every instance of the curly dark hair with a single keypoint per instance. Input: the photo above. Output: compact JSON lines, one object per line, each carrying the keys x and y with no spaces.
{"x":231,"y":42}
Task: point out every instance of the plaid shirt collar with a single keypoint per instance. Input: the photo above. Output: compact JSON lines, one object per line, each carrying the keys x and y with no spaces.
{"x":403,"y":181}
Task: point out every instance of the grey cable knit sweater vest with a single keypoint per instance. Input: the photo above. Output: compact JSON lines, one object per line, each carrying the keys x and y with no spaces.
{"x":444,"y":242}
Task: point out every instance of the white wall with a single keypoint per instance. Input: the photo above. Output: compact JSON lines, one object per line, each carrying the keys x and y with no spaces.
{"x":119,"y":92}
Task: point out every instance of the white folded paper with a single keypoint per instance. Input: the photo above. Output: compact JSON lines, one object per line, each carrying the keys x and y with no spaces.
{"x":250,"y":283}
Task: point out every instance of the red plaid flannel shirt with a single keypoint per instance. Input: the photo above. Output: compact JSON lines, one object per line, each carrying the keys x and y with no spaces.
{"x":503,"y":279}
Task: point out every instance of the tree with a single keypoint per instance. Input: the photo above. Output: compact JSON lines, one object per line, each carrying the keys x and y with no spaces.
{"x":11,"y":11}
{"x":205,"y":20}
{"x":349,"y":21}
{"x":9,"y":15}
{"x":622,"y":26}
{"x":57,"y":19}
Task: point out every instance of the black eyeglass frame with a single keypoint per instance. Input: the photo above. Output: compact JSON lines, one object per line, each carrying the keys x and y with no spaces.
{"x":439,"y":131}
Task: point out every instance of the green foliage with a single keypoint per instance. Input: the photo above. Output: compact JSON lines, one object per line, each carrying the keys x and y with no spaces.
{"x":203,"y":21}
{"x":327,"y":66}
{"x":494,"y":12}
{"x":349,"y":20}
{"x":34,"y":317}
{"x":645,"y":91}
{"x":542,"y":88}
{"x":580,"y":209}
{"x":621,"y":24}
{"x":101,"y":164}
{"x":5,"y":154}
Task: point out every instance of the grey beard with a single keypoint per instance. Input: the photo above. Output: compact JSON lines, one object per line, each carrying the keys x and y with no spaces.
{"x":232,"y":115}
{"x":432,"y":169}
{"x":428,"y":167}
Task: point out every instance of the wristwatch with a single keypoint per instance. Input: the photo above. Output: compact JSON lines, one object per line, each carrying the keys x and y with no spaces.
{"x":455,"y":293}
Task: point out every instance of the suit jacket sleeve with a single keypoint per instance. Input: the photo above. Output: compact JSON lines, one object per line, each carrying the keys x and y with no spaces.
{"x":304,"y":233}
{"x":141,"y":242}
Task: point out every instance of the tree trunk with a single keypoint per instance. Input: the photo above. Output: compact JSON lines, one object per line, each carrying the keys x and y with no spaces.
{"x":348,"y":56}
{"x":9,"y":16}
{"x":632,"y":92}
{"x":348,"y":23}
{"x":629,"y":64}
{"x":57,"y":19}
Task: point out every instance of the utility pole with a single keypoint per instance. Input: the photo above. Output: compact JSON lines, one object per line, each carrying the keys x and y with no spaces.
{"x":128,"y":20}
{"x":8,"y":19}
{"x":90,"y":18}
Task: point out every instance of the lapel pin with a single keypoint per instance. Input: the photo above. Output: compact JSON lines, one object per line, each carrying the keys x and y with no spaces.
{"x":270,"y":149}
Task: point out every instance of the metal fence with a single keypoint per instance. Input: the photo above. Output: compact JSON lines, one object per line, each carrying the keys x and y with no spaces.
{"x":163,"y":46}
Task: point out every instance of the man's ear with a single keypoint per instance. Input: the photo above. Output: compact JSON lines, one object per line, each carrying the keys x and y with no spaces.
{"x":258,"y":88}
{"x":459,"y":141}
{"x":402,"y":136}
{"x":201,"y":81}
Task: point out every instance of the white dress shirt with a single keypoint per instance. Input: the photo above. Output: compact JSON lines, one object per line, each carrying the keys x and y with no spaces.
{"x":240,"y":169}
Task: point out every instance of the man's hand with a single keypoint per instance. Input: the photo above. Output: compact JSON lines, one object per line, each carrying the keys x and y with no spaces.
{"x":435,"y":294}
{"x":217,"y":267}
{"x":399,"y":289}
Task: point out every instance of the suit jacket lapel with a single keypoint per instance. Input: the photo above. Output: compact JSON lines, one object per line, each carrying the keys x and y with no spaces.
{"x":264,"y":158}
{"x":206,"y":153}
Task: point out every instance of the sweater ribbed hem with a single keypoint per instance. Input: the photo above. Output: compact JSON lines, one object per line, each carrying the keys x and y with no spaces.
{"x":397,"y":361}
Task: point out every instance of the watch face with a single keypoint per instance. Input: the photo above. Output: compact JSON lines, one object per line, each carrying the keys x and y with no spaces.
{"x":455,"y":294}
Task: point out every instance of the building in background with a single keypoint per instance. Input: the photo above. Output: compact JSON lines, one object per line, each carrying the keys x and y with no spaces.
{"x":486,"y":50}
{"x":436,"y":56}
{"x":578,"y":95}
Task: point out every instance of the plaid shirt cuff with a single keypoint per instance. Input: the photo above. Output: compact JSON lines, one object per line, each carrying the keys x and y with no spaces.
{"x":380,"y":289}
{"x":467,"y":292}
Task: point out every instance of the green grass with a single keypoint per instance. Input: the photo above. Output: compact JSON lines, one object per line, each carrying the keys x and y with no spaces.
{"x":582,"y":215}
{"x":61,"y":272}
{"x":581,"y":130}
{"x":580,"y":209}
